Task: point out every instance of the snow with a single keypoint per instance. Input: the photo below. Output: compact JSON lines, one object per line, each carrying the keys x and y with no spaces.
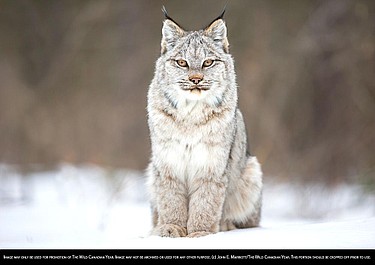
{"x":89,"y":207}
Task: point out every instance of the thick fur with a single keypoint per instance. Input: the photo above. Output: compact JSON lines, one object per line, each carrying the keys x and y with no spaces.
{"x":201,"y":179}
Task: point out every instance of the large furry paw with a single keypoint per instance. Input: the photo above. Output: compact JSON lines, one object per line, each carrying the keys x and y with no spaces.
{"x":169,"y":230}
{"x":227,"y":226}
{"x":198,"y":234}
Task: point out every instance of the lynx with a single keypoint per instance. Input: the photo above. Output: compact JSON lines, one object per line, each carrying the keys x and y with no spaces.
{"x":201,"y":178}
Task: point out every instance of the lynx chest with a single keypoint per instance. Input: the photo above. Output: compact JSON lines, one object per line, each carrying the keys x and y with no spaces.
{"x":191,"y":154}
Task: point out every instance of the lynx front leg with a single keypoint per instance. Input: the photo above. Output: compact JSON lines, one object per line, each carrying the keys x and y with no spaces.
{"x":171,"y":207}
{"x":205,"y":209}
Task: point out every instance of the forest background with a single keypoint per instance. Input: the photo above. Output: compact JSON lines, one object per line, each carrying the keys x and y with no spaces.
{"x":74,"y":79}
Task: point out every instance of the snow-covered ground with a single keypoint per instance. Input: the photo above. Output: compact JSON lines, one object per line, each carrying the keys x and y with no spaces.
{"x":88,"y":207}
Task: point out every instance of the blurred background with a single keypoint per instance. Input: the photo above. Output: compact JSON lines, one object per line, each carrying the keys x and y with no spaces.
{"x":74,"y":78}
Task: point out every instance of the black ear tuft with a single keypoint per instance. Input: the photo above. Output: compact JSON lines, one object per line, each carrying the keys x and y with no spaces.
{"x":217,"y":30}
{"x":222,"y":13}
{"x":221,"y":16}
{"x":171,"y":32}
{"x":164,"y":10}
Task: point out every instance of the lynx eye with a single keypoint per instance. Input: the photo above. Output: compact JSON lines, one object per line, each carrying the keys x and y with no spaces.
{"x":208,"y":63}
{"x":182,"y":63}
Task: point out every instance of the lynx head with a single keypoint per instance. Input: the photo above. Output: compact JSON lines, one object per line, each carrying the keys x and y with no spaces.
{"x":195,"y":65}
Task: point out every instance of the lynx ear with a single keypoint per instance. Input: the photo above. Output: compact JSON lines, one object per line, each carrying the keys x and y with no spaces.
{"x":171,"y":32}
{"x":217,"y":30}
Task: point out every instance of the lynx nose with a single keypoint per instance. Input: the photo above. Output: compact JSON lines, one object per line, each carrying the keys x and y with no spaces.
{"x":196,"y":79}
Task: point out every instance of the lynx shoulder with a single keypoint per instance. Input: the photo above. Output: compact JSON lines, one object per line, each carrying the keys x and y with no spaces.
{"x":201,"y":177}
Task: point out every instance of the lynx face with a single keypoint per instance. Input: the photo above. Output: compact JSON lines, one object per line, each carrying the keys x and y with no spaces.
{"x":197,"y":66}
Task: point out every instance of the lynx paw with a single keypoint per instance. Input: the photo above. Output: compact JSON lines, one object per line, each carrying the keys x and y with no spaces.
{"x":169,"y":230}
{"x":227,"y":226}
{"x":198,"y":234}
